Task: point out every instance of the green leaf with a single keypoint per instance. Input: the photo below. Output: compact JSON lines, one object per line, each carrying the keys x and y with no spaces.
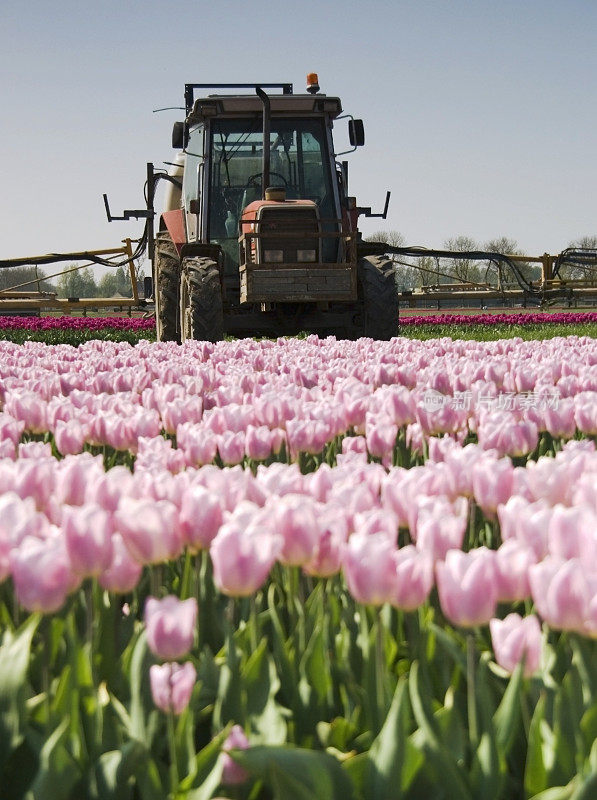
{"x":393,"y":759}
{"x":556,"y":793}
{"x":14,"y":661}
{"x":297,"y":773}
{"x":139,"y":676}
{"x":114,"y":769}
{"x":507,"y":717}
{"x":487,"y":768}
{"x":447,"y":770}
{"x":535,"y":776}
{"x":587,"y":790}
{"x":58,"y":771}
{"x":205,"y":761}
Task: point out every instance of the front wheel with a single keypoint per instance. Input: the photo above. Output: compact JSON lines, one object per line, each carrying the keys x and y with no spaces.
{"x":201,"y":310}
{"x":378,"y":296}
{"x":166,"y":280}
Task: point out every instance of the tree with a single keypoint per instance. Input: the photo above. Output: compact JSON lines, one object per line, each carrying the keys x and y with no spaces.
{"x":463,"y":269}
{"x":27,"y":279}
{"x":502,"y":275}
{"x":77,"y":283}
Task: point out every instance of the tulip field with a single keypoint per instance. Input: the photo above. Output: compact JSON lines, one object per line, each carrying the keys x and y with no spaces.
{"x":303,"y":569}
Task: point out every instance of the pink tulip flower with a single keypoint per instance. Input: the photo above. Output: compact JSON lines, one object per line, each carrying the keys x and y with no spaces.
{"x":562,"y":592}
{"x":572,"y":533}
{"x":513,"y":560}
{"x":381,"y":437}
{"x":42,"y":574}
{"x":69,"y":437}
{"x":200,"y":517}
{"x":150,"y":529}
{"x":88,"y":538}
{"x":492,"y":484}
{"x":515,"y":638}
{"x":414,"y":578}
{"x":467,"y":586}
{"x":172,"y":686}
{"x":123,"y":573}
{"x":242,"y":559}
{"x":294,"y":518}
{"x":170,"y":624}
{"x":370,"y":569}
{"x":328,"y":553}
{"x":258,"y":442}
{"x":232,"y":773}
{"x":231,"y":447}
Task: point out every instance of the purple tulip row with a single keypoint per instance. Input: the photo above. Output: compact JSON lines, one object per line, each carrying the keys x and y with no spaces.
{"x":538,"y":318}
{"x":65,"y":323}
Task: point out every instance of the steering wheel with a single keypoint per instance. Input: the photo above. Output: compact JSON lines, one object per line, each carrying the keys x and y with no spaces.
{"x":252,"y":181}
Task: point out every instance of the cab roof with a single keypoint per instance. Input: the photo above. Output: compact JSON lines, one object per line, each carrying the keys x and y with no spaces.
{"x":217,"y":105}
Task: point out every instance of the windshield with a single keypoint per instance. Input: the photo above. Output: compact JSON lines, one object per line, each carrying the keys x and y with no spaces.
{"x":298,"y":161}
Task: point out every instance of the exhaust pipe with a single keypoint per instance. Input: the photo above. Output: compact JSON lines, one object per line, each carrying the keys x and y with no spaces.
{"x":266,"y":144}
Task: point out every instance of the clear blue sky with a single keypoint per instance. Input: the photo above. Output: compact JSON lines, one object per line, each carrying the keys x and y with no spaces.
{"x":480,"y":115}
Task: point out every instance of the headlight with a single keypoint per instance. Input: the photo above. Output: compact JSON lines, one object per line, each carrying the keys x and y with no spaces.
{"x":305,"y":255}
{"x":273,"y":255}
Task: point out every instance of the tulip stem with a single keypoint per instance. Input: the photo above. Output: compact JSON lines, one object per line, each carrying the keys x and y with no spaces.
{"x":173,"y":762}
{"x":470,"y":690}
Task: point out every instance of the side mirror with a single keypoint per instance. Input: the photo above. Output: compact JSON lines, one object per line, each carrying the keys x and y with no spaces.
{"x":356,"y":132}
{"x":180,"y":136}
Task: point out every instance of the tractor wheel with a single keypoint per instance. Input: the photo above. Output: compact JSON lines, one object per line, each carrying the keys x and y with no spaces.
{"x":167,"y":280}
{"x":201,"y":312}
{"x":378,"y":294}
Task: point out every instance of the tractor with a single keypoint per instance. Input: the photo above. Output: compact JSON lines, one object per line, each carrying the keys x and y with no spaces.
{"x":258,"y":234}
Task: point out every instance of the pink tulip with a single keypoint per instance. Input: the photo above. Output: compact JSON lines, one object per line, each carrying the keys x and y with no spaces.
{"x":526,"y":522}
{"x":492,"y":484}
{"x":88,"y":538}
{"x":467,"y":586}
{"x":414,"y":578}
{"x":370,"y":569}
{"x":150,"y":529}
{"x":200,"y":517}
{"x":381,"y":437}
{"x":515,"y":638}
{"x":170,"y":624}
{"x":562,"y":592}
{"x":258,"y":442}
{"x":585,"y":413}
{"x":328,"y":552}
{"x":560,"y":421}
{"x":242,"y":559}
{"x":512,"y":562}
{"x":232,"y":773}
{"x":294,"y":517}
{"x":572,"y":533}
{"x":42,"y":574}
{"x":231,"y":447}
{"x":172,"y":686}
{"x":123,"y":573}
{"x":69,"y":437}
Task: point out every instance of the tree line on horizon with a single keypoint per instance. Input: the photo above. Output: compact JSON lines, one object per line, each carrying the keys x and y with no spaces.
{"x":412,"y":273}
{"x":72,"y":282}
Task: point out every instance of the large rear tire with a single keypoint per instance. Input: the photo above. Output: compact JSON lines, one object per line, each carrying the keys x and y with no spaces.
{"x":378,"y":296}
{"x":167,"y":283}
{"x":201,"y":310}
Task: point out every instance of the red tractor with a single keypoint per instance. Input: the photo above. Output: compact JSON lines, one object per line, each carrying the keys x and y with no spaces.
{"x":259,"y":234}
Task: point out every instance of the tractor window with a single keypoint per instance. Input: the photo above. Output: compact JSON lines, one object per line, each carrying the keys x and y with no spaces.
{"x":299,"y":162}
